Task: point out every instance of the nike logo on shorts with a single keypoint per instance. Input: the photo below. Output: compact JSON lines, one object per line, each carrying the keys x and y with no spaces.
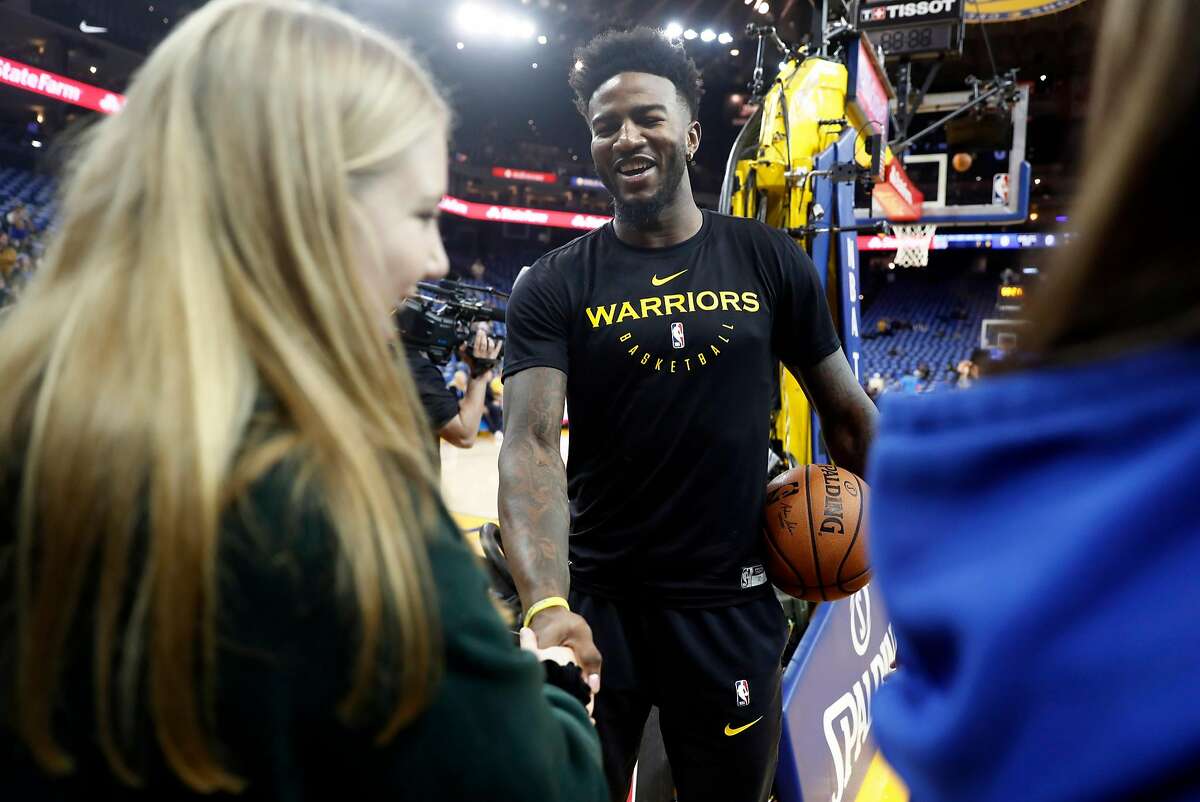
{"x":735,"y":730}
{"x":658,"y":282}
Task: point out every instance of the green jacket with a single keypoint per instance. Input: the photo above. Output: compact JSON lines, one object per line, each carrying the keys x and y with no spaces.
{"x":494,"y":731}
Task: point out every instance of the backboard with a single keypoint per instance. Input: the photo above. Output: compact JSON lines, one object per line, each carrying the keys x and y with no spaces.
{"x":989,"y":182}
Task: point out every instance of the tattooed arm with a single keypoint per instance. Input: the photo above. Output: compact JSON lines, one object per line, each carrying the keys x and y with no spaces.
{"x":535,"y":518}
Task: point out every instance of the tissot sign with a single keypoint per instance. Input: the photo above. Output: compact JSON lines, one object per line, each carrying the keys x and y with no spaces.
{"x":889,"y":15}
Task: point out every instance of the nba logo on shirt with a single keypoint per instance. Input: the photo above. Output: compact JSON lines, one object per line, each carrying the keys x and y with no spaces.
{"x":742,"y":687}
{"x":676,"y":335}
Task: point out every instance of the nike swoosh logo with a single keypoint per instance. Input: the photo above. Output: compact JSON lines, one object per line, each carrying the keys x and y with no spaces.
{"x":658,"y":282}
{"x":734,"y":731}
{"x":83,"y":26}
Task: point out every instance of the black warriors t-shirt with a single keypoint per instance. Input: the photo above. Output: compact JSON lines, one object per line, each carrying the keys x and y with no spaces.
{"x":670,"y":356}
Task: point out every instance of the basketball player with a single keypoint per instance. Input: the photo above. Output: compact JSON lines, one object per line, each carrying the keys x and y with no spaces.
{"x":663,"y":330}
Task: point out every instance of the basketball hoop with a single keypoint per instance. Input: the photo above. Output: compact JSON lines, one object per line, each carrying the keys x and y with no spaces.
{"x":913,"y":244}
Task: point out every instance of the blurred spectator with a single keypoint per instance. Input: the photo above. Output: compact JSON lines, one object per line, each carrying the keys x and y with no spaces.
{"x":1036,"y":539}
{"x":19,"y":224}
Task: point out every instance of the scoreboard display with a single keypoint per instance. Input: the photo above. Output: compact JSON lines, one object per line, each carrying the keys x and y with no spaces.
{"x":925,"y":29}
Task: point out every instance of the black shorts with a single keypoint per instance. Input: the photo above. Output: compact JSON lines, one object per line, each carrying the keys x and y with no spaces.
{"x":714,"y":675}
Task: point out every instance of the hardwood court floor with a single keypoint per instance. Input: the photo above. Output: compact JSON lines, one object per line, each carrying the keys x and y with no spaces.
{"x":470,"y":480}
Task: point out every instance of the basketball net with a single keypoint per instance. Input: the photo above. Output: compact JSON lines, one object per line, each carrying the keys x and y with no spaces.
{"x":913,"y":244}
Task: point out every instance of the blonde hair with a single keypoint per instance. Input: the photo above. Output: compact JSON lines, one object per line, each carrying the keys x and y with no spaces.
{"x":206,"y":258}
{"x":1114,"y":289}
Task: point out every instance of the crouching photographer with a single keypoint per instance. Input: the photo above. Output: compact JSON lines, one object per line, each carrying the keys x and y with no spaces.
{"x":443,"y":319}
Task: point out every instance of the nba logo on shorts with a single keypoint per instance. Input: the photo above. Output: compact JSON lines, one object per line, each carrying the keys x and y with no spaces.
{"x":742,"y":687}
{"x":676,"y":335}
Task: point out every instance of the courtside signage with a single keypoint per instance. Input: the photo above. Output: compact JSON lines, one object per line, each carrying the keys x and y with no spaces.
{"x":59,"y":87}
{"x":844,"y":658}
{"x":515,"y":174}
{"x":517,"y":214}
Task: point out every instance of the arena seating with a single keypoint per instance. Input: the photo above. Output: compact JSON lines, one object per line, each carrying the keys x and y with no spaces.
{"x":945,"y":321}
{"x":34,"y":190}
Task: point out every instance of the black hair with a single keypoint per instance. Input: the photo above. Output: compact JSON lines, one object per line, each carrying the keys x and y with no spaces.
{"x":640,"y":49}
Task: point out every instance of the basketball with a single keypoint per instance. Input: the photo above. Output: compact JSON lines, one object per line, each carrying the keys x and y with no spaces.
{"x":962,"y":161}
{"x":816,"y":533}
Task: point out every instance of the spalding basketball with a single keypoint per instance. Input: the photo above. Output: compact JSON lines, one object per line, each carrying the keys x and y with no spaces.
{"x":816,"y":533}
{"x":962,"y":161}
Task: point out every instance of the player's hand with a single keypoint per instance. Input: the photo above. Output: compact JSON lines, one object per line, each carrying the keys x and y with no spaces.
{"x":557,"y":626}
{"x":559,"y":654}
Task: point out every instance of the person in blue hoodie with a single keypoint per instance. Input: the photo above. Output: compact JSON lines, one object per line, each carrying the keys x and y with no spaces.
{"x":1037,"y":538}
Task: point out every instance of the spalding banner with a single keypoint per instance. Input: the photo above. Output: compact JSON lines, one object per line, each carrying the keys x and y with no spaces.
{"x":847,"y":652}
{"x":1014,"y":10}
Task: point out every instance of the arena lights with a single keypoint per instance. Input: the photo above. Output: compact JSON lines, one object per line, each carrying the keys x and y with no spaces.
{"x":763,"y":8}
{"x":675,"y":30}
{"x":735,"y":52}
{"x":480,"y":20}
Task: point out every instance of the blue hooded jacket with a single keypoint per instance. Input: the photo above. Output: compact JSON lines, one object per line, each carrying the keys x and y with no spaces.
{"x":1037,"y":542}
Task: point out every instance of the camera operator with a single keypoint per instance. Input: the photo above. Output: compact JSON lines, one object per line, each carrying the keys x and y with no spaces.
{"x":456,"y":421}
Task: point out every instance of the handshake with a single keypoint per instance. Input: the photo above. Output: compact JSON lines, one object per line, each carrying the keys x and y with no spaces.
{"x":564,"y":668}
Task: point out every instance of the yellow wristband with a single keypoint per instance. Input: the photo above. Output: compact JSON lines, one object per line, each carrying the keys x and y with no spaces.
{"x":545,"y":604}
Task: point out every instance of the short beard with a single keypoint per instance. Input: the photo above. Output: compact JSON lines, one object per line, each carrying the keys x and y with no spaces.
{"x":644,"y":214}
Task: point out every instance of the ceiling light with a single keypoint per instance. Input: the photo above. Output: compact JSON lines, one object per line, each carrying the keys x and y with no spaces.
{"x":725,"y":38}
{"x":673,"y":30}
{"x":690,"y":34}
{"x":763,"y":7}
{"x":37,"y":143}
{"x":478,"y":19}
{"x":579,"y":65}
{"x":92,"y":69}
{"x":708,"y":35}
{"x":460,"y":45}
{"x":542,"y":39}
{"x":735,"y":52}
